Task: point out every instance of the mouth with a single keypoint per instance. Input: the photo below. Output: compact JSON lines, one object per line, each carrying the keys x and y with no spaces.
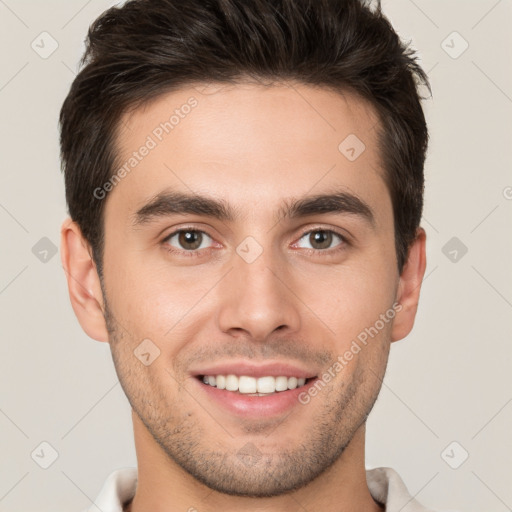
{"x":254,"y":386}
{"x":239,"y":375}
{"x":254,"y":392}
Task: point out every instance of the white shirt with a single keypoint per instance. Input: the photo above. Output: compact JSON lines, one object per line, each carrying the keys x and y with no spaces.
{"x":385,"y":485}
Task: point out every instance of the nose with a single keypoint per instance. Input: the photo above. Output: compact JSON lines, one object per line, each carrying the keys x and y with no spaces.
{"x":257,"y":299}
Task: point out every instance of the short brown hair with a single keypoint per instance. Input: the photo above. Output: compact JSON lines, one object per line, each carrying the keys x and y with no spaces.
{"x":146,"y":48}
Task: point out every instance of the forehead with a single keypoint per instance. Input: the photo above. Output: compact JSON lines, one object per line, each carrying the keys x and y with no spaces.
{"x":249,"y":145}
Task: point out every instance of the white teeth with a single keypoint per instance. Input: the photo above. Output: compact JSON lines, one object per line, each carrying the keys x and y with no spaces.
{"x":281,"y":383}
{"x":252,"y":385}
{"x":221,"y":382}
{"x":232,"y":383}
{"x":247,"y":384}
{"x":266,"y":384}
{"x":292,"y":382}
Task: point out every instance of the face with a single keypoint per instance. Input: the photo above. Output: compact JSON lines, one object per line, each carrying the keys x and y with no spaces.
{"x":248,"y":249}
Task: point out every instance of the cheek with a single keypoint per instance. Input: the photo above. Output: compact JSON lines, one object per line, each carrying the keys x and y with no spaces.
{"x":155,"y":300}
{"x":348,"y":298}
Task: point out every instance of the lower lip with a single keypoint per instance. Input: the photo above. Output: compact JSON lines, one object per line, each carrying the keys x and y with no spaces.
{"x":241,"y":404}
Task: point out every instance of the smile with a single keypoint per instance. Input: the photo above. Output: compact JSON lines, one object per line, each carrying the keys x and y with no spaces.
{"x":254,"y":386}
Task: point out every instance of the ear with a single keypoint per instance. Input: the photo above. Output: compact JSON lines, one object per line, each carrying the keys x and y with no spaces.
{"x":409,"y":285}
{"x":83,"y":281}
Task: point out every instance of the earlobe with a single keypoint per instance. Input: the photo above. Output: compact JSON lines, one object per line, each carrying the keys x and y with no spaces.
{"x":409,"y":287}
{"x":83,"y":281}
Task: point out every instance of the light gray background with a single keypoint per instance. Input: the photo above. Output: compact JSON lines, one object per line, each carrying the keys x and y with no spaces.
{"x":448,"y":381}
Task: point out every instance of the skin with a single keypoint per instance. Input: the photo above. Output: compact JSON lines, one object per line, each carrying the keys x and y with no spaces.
{"x":254,"y":147}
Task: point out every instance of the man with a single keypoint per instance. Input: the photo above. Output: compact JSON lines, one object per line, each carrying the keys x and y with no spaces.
{"x":245,"y":182}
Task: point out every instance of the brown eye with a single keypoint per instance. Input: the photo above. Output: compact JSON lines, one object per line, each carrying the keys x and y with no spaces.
{"x":188,"y":239}
{"x":320,"y":239}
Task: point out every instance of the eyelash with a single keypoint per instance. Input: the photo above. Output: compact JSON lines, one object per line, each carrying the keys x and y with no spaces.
{"x":200,"y":252}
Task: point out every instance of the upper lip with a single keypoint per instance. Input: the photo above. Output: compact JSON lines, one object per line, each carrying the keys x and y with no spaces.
{"x":274,"y":368}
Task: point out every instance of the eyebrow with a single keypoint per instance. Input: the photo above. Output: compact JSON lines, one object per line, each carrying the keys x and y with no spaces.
{"x":338,"y":203}
{"x":178,"y":203}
